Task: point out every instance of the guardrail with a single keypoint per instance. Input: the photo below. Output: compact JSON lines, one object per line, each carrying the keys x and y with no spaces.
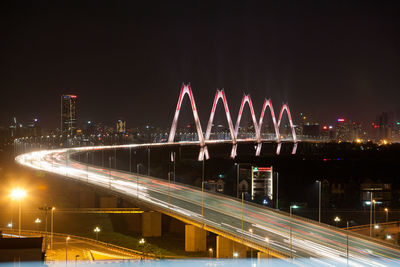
{"x":119,"y":249}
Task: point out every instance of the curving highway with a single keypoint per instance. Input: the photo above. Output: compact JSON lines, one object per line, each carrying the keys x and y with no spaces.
{"x":264,"y":229}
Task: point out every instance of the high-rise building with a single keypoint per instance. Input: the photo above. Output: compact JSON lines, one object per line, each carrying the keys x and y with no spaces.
{"x":68,"y":114}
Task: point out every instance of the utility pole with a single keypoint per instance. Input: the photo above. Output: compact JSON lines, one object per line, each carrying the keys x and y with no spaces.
{"x":370,"y":217}
{"x":347,"y":243}
{"x":148,"y":161}
{"x":237,"y":179}
{"x":277,"y":190}
{"x":319,"y":201}
{"x":130,"y":159}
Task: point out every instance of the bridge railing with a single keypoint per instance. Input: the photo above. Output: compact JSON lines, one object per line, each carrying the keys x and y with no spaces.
{"x":294,"y":217}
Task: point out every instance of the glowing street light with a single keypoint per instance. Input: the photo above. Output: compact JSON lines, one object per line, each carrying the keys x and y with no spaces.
{"x":97,"y":231}
{"x":38,"y":221}
{"x":235,"y":255}
{"x":10,"y":225}
{"x":66,"y":249}
{"x":210,"y":251}
{"x":291,"y":242}
{"x":18,"y":194}
{"x":387,"y":214}
{"x":337,"y":220}
{"x":141,"y":243}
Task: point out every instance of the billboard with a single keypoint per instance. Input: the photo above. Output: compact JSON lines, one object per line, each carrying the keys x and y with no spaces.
{"x":261,"y":183}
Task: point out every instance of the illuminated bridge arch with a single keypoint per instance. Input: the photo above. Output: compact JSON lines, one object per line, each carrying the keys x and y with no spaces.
{"x":220,"y":95}
{"x":284,"y":108}
{"x":186,"y":90}
{"x":246,"y":99}
{"x":267,"y":104}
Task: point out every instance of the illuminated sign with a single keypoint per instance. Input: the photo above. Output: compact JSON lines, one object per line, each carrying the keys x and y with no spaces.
{"x":261,"y":182}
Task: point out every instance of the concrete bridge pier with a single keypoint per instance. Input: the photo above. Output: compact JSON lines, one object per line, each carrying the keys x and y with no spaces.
{"x":195,"y":238}
{"x":151,"y":224}
{"x":227,"y":248}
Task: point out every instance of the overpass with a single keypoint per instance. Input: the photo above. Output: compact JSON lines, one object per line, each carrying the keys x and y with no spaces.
{"x":238,"y":224}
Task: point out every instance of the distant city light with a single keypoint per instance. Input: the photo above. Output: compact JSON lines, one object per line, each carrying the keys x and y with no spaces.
{"x":330,"y":127}
{"x":341,"y":120}
{"x":325,"y":127}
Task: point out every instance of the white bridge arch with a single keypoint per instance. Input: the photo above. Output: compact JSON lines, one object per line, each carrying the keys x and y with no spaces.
{"x":220,"y":95}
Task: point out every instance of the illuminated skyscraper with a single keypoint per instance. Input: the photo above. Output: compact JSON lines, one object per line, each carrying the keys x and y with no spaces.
{"x":68,"y":114}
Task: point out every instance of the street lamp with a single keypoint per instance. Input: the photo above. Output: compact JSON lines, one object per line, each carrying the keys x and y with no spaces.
{"x":52,"y":226}
{"x":235,"y":255}
{"x":141,"y":243}
{"x":267,"y":241}
{"x":210,"y":252}
{"x":387,"y":214}
{"x":97,"y":230}
{"x":10,"y":225}
{"x":337,"y":220}
{"x":374,"y":202}
{"x":18,"y":194}
{"x":38,"y":221}
{"x":66,"y":249}
{"x":291,"y":242}
{"x":251,"y":248}
{"x":319,"y":200}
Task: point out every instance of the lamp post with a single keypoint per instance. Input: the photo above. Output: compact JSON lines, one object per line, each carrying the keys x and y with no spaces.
{"x":141,"y":243}
{"x":277,"y":190}
{"x":97,"y":231}
{"x":66,"y":249}
{"x":347,"y":242}
{"x":202,"y":190}
{"x":137,"y":180}
{"x":18,"y":194}
{"x":387,"y":214}
{"x":319,"y":200}
{"x":37,"y":221}
{"x":337,"y":220}
{"x":52,"y":227}
{"x":290,"y":234}
{"x":374,"y":202}
{"x":370,"y":216}
{"x":237,"y":178}
{"x":251,"y":248}
{"x":169,"y":188}
{"x":148,"y":161}
{"x":242,"y":213}
{"x":267,"y":241}
{"x":173,"y":158}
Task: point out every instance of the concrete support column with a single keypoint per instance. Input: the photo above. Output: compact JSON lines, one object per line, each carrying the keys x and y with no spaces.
{"x":226,"y":248}
{"x":195,"y":238}
{"x":151,"y":224}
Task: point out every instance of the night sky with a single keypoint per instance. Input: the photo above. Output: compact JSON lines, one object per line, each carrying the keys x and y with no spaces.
{"x":129,"y":58}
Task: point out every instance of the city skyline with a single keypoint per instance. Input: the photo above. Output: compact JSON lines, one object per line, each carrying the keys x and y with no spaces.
{"x":331,"y":60}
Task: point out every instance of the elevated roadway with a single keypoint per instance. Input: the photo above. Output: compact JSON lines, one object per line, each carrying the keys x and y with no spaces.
{"x":299,"y":240}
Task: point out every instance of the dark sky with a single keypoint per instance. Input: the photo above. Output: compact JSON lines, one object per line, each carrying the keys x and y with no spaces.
{"x":128,"y":59}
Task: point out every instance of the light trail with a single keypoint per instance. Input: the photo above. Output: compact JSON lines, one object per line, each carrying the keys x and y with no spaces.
{"x":223,"y":214}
